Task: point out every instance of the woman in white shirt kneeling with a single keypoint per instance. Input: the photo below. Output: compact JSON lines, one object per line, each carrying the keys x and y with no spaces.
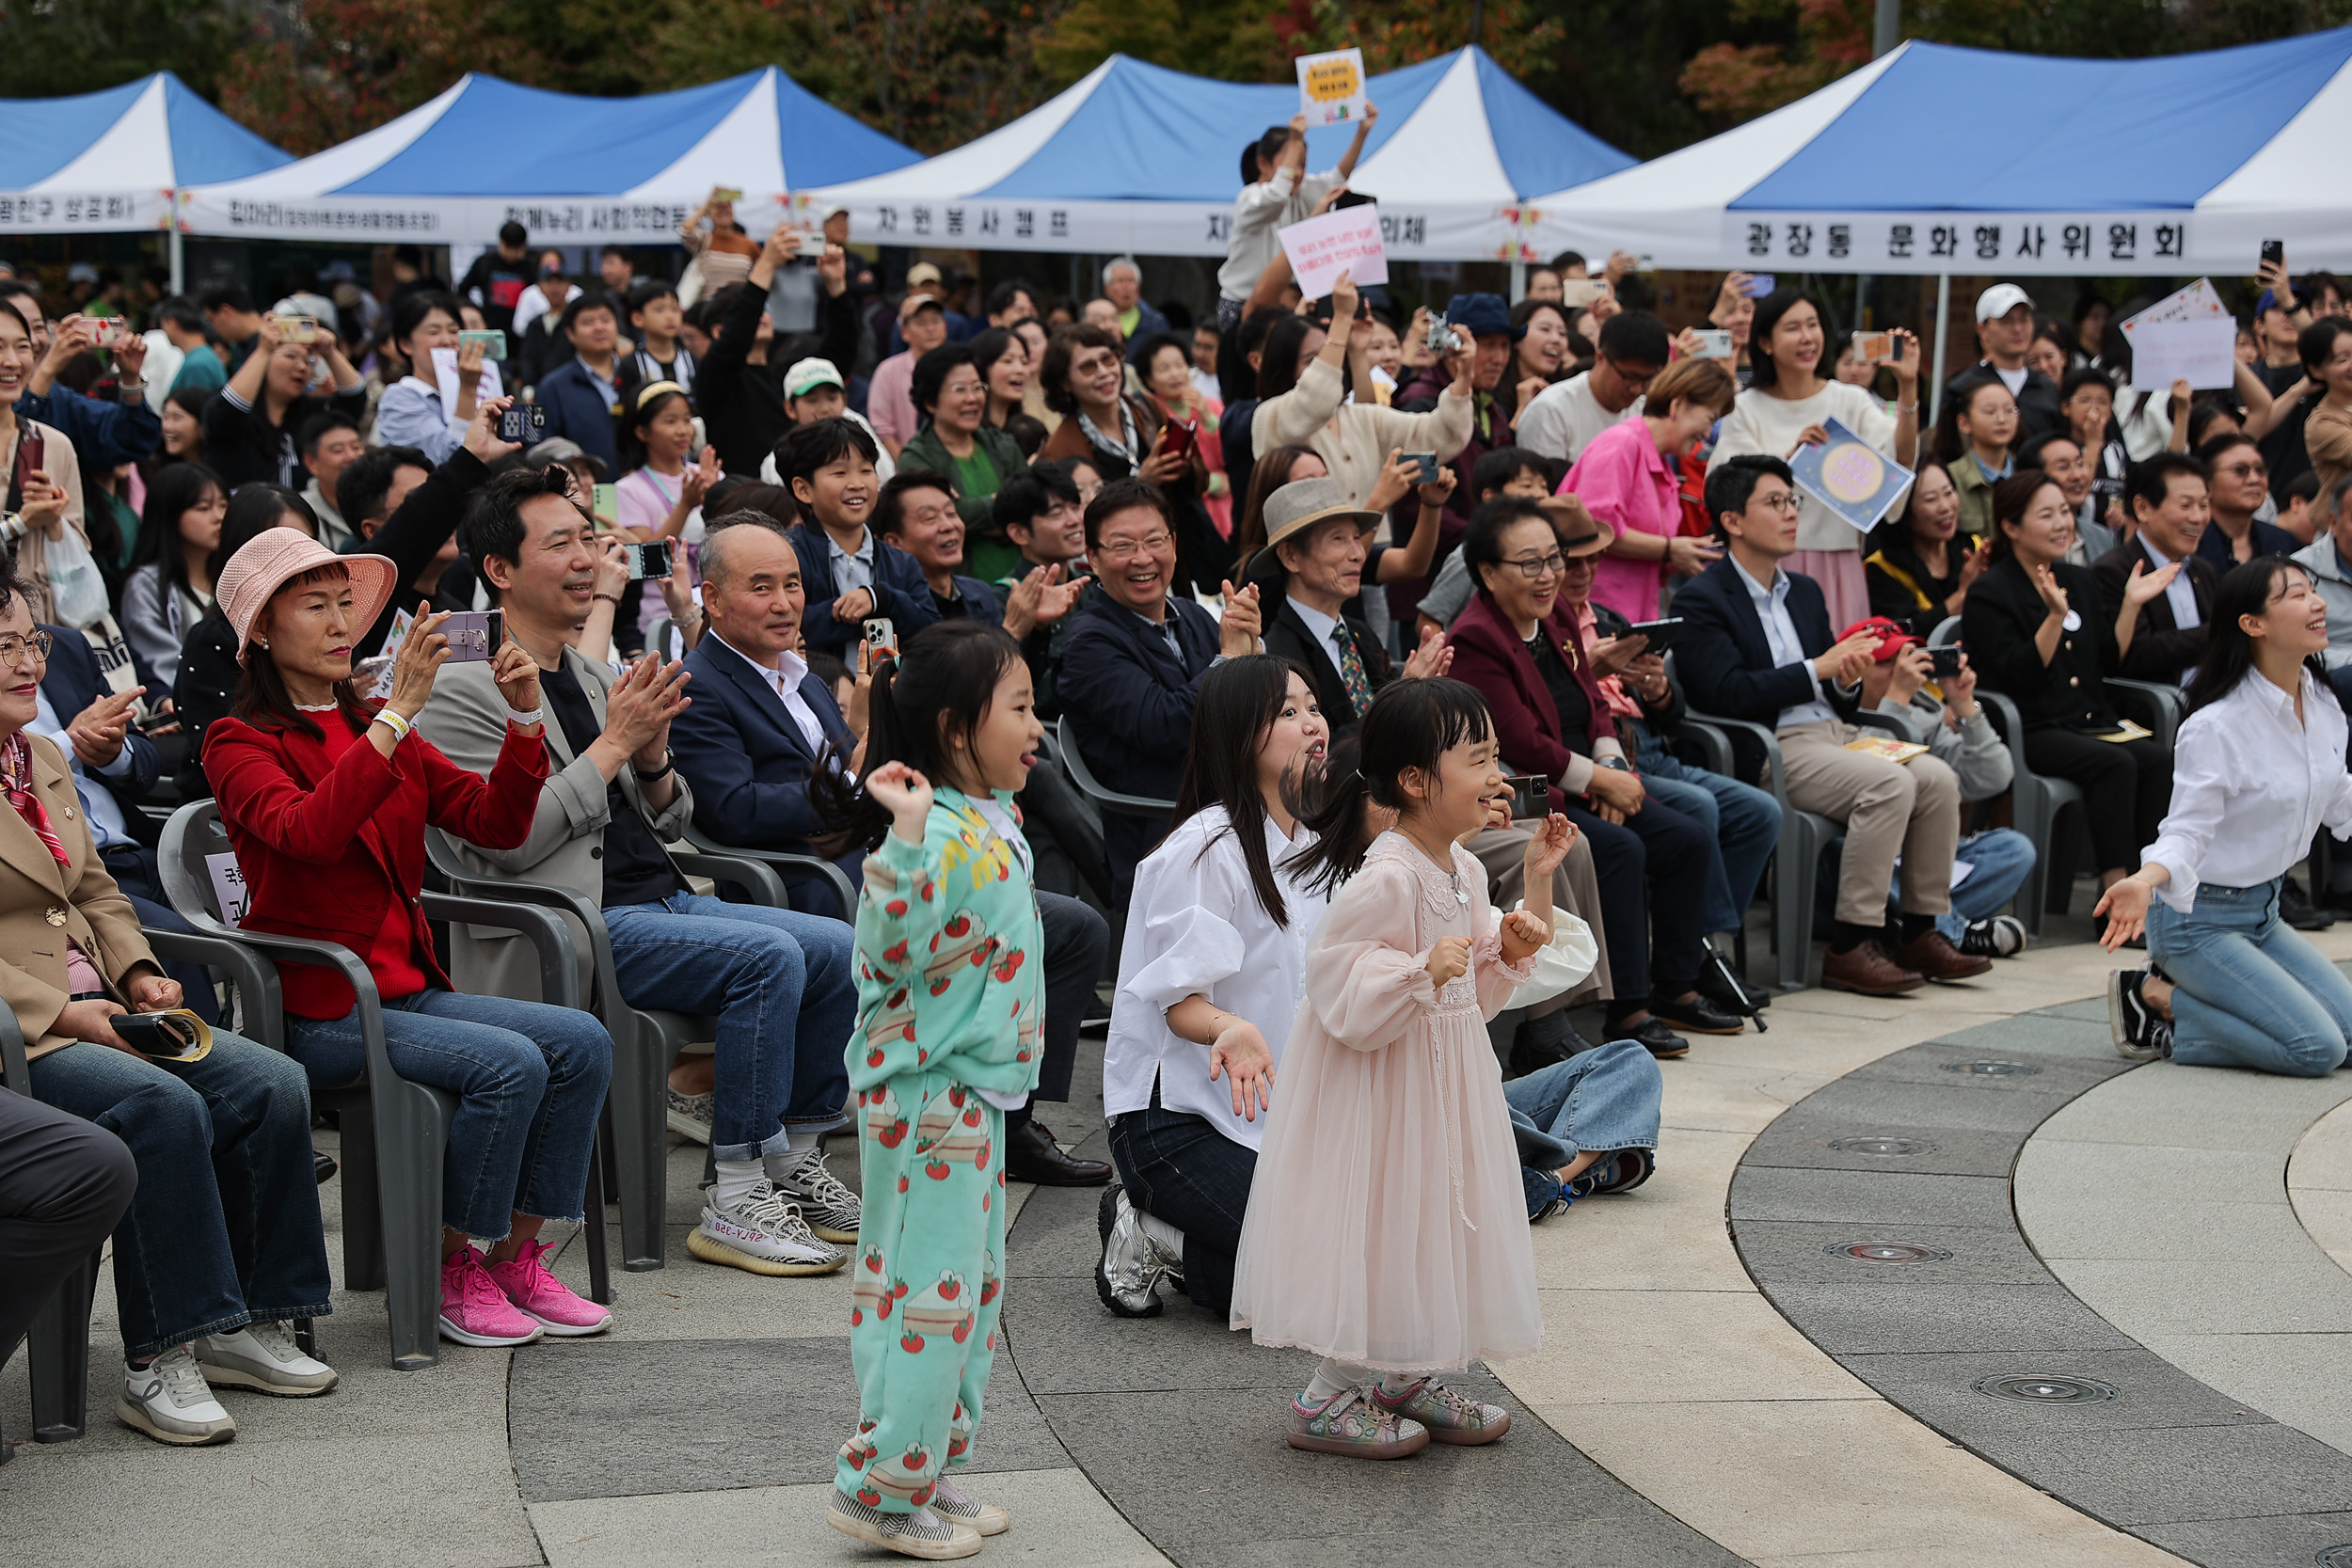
{"x":2257,"y":770}
{"x":1212,"y":971}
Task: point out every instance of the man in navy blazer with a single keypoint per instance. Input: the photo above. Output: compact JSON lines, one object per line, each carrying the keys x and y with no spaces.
{"x":1755,"y":645}
{"x":581,"y":397}
{"x":827,"y":465}
{"x":758,"y":724}
{"x":114,"y":768}
{"x":1133,"y":662}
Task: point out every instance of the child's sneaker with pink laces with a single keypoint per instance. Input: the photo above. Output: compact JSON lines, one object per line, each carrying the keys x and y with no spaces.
{"x":540,"y":1296}
{"x":474,"y":1311}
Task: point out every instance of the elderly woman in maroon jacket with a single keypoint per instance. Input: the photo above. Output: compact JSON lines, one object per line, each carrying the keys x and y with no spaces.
{"x":325,"y":797}
{"x":1519,"y":645}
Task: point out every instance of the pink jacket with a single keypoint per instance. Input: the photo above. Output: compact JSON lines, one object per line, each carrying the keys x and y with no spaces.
{"x":1625,"y":482}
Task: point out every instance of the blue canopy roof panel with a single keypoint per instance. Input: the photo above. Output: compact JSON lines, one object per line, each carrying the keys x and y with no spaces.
{"x":207,"y":145}
{"x":2159,"y":133}
{"x":40,"y":136}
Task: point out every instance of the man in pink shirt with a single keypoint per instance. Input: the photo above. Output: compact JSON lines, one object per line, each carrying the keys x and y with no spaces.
{"x":890,"y":398}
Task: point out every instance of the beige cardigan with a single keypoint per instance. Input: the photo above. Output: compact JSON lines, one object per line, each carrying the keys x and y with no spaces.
{"x":1356,"y":444}
{"x":58,"y":460}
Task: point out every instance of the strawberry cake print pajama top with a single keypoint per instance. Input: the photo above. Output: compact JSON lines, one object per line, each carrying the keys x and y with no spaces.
{"x":950,"y":1000}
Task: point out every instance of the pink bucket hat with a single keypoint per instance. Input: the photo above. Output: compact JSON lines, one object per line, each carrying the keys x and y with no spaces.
{"x":276,"y":557}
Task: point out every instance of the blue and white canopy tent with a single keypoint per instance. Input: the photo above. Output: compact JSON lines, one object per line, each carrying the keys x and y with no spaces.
{"x":1139,"y":158}
{"x":1935,"y":160}
{"x":573,"y":170}
{"x":108,"y":162}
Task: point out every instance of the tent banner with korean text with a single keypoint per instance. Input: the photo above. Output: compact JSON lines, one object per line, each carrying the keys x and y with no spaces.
{"x":1933,"y":159}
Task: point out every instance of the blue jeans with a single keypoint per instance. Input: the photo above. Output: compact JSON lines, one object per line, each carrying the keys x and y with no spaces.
{"x":2003,"y":858}
{"x":530,"y":1081}
{"x":1743,"y":822}
{"x":2249,"y":991}
{"x":1605,"y":1098}
{"x":784,"y":986}
{"x":224,"y":1228}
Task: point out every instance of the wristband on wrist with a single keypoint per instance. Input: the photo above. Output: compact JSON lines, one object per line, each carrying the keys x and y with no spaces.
{"x":394,"y":723}
{"x":612,"y":599}
{"x":522,"y":720}
{"x":669,"y":765}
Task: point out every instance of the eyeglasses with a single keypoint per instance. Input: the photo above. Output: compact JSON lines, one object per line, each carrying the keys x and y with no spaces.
{"x":1535,"y":567}
{"x":1780,"y":504}
{"x":1127,"y":549}
{"x":13,"y":648}
{"x":2246,"y":471}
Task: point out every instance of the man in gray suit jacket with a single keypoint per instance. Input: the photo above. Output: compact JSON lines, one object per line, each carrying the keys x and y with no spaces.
{"x":781,"y":983}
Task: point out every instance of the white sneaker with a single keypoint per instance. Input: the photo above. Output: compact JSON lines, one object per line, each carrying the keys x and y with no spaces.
{"x":829,"y":1208}
{"x":169,"y":1401}
{"x":263,"y":1357}
{"x":950,"y":1504}
{"x":764,"y":1234}
{"x":919,"y":1534}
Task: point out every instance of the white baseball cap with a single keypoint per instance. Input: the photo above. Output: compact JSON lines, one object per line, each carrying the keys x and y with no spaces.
{"x":1999,"y":300}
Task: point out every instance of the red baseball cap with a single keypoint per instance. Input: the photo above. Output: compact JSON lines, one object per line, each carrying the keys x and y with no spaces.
{"x":1892,"y":638}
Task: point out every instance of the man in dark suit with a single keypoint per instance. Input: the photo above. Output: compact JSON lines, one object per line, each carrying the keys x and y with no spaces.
{"x":1134,"y":661}
{"x":582,"y":396}
{"x":760,"y":724}
{"x":1317,"y":539}
{"x":1755,"y":645}
{"x":2170,"y":509}
{"x":115,"y":768}
{"x":850,"y":574}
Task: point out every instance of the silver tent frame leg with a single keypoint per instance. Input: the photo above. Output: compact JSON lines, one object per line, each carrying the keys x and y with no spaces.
{"x":1943,"y":331}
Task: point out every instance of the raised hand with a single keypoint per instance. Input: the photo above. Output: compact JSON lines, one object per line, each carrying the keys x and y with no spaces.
{"x":518,"y":676}
{"x":1237,"y":633}
{"x":2142,"y":586}
{"x":419,"y":659}
{"x":1241,"y":1057}
{"x":1433,"y":658}
{"x":2045,"y":584}
{"x":906,"y":795}
{"x":1555,"y":836}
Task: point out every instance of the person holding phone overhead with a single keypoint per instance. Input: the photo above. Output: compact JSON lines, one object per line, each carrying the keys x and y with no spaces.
{"x":325,"y":797}
{"x":1788,"y":405}
{"x":250,"y":429}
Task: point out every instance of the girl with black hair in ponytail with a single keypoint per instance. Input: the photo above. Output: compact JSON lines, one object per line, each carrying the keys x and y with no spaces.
{"x":1211,"y":974}
{"x":2258,"y":770}
{"x":1387,"y":1228}
{"x":950,"y":1003}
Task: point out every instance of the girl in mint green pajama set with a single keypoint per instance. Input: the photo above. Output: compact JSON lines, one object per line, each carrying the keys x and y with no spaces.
{"x":951,"y":1003}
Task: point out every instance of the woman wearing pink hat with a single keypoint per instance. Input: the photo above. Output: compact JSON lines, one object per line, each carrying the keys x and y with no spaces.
{"x":325,"y":797}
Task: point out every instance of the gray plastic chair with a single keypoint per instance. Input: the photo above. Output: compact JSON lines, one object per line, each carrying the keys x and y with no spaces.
{"x":645,"y":1040}
{"x":2158,"y":707}
{"x":1104,"y":797}
{"x":774,"y":863}
{"x":394,"y":1132}
{"x":57,"y":1347}
{"x":1796,"y":860}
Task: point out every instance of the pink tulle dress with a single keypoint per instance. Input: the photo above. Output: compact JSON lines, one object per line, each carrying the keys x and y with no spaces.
{"x":1387,"y":1223}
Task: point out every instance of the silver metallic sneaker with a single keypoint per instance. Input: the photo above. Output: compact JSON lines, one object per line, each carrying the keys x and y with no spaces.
{"x":922,"y":1533}
{"x":169,"y":1401}
{"x":266,"y":1357}
{"x":831,"y":1208}
{"x":1129,"y":1273}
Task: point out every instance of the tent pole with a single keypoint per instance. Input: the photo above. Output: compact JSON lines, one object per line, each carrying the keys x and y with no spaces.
{"x":1519,"y":282}
{"x":176,"y":247}
{"x":1943,"y":330}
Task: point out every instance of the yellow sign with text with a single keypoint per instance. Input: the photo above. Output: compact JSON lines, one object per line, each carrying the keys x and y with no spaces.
{"x":1331,"y":87}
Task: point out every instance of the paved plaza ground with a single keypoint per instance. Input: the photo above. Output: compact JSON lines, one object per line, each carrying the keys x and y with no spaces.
{"x":1938,"y":1282}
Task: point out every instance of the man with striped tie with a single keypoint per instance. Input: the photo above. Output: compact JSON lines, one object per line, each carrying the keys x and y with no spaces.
{"x":1321,"y":542}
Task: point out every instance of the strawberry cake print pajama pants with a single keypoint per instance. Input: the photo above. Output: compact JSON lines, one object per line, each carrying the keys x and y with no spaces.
{"x":927,"y":1287}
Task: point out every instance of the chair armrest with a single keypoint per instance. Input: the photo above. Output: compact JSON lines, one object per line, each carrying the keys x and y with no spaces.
{"x":1100,"y":793}
{"x":2160,"y":705}
{"x":788,"y":859}
{"x":1775,"y":771}
{"x":755,"y":879}
{"x":15,"y":1071}
{"x":326,"y":955}
{"x":559,"y":972}
{"x":1716,"y":744}
{"x":1899,"y":725}
{"x":257,"y":981}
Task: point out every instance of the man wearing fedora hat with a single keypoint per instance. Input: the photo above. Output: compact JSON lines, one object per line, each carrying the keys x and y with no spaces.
{"x":1320,"y":541}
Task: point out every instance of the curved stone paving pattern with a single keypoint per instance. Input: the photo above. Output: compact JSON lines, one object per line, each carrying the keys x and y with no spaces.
{"x":2188,"y":1238}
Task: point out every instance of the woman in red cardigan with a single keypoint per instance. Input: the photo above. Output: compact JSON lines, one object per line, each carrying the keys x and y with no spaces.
{"x":326,"y":798}
{"x":1519,"y":647}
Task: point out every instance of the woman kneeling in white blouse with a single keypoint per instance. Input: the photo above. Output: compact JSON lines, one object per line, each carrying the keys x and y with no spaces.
{"x":1211,"y":973}
{"x":2258,"y":770}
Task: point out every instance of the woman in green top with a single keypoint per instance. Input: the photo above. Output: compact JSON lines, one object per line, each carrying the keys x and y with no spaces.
{"x":958,"y":443}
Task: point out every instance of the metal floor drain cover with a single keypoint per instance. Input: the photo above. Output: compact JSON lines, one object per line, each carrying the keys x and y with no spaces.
{"x":1881,"y":1145}
{"x":1992,"y":1068}
{"x":2035,"y":1389}
{"x":2337,"y":1556}
{"x":1887,"y":1252}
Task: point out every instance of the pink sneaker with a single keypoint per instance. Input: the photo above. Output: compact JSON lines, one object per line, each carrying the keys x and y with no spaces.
{"x":539,"y":1295}
{"x":474,"y":1311}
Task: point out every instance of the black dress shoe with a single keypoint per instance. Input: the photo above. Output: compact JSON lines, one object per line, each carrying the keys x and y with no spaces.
{"x":1698,"y":1014}
{"x":1652,"y":1035}
{"x":1031,"y":1155}
{"x":2299,"y":911}
{"x":1726,"y":987}
{"x":1544,"y":1042}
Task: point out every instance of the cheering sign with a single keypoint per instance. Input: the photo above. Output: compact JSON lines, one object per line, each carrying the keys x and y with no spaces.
{"x":1344,"y":240}
{"x":1850,"y":476}
{"x":1331,"y":87}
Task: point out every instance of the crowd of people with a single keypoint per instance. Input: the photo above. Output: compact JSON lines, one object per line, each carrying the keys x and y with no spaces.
{"x":1393,"y":630}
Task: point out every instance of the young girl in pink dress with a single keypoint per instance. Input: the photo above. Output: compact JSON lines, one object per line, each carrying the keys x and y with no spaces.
{"x":1387,"y":1227}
